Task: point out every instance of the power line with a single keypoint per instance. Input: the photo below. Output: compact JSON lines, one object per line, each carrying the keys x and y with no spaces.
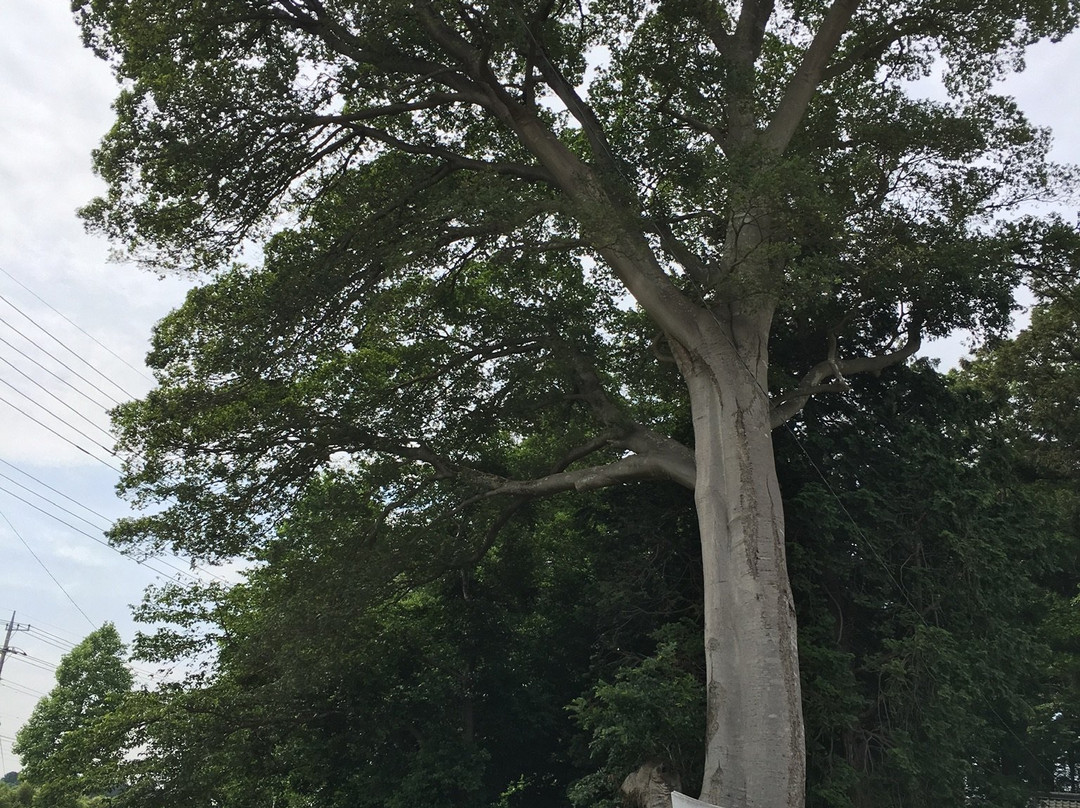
{"x":143,"y":563}
{"x":51,"y":502}
{"x":48,"y":572}
{"x":60,"y":362}
{"x":69,"y":425}
{"x":35,"y":628}
{"x":47,"y":667}
{"x":59,"y":418}
{"x":62,"y":645}
{"x":51,"y":515}
{"x":50,"y":393}
{"x":21,"y":689}
{"x":55,"y":490}
{"x":50,"y":643}
{"x":59,"y":342}
{"x":76,"y":326}
{"x":44,"y":662}
{"x":64,"y":438}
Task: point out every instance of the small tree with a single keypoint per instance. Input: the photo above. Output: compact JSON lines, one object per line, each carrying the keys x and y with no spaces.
{"x":63,"y":746}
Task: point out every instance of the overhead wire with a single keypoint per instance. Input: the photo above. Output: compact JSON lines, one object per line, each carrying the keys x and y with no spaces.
{"x":35,"y":628}
{"x":53,"y":395}
{"x":64,"y":645}
{"x":61,"y":343}
{"x":51,"y":644}
{"x":56,"y":491}
{"x":48,"y":572}
{"x":21,"y":689}
{"x":55,"y":504}
{"x":62,"y":437}
{"x":47,"y":667}
{"x":76,"y":326}
{"x":74,"y":443}
{"x":141,"y":562}
{"x":57,"y":376}
{"x":43,"y":662}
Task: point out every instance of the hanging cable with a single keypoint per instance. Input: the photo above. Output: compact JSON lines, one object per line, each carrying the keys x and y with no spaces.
{"x":64,"y":438}
{"x":56,"y":491}
{"x":59,"y":342}
{"x":76,"y":326}
{"x":56,"y":505}
{"x":55,"y":375}
{"x":53,"y":395}
{"x":145,"y":562}
{"x":48,"y":572}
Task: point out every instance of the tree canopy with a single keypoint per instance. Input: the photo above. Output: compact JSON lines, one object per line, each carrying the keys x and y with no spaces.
{"x":933,"y":579}
{"x":503,"y":233}
{"x":66,"y":753}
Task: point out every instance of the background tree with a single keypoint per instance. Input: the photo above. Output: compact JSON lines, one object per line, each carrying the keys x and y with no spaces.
{"x":469,"y":213}
{"x":357,"y":684}
{"x":19,"y":795}
{"x":1034,"y":378}
{"x":67,"y":746}
{"x":930,"y":571}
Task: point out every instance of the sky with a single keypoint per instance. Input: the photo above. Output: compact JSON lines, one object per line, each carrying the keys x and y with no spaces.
{"x":75,"y":326}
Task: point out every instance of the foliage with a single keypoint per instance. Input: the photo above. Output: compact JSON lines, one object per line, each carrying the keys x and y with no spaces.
{"x":438,"y":335}
{"x":1034,"y":379}
{"x":69,"y":746}
{"x":16,"y":796}
{"x":430,"y":304}
{"x":342,"y":679}
{"x":927,"y":570}
{"x":542,"y":673}
{"x":651,"y":711}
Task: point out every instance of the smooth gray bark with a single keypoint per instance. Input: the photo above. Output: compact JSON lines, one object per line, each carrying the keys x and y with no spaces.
{"x":755,"y":755}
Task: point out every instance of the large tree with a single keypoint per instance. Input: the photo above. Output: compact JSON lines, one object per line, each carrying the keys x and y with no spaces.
{"x":465,"y":195}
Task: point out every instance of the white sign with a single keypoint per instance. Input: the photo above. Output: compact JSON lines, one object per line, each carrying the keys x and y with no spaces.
{"x":682,"y":801}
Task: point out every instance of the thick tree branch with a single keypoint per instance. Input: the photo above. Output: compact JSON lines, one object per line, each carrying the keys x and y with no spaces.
{"x":802,"y":86}
{"x":629,"y":434}
{"x":704,"y":275}
{"x":750,"y":30}
{"x":718,"y":135}
{"x":613,"y":230}
{"x":788,"y":405}
{"x":313,"y":19}
{"x":872,"y":48}
{"x":432,"y":101}
{"x":458,"y":161}
{"x":582,"y":113}
{"x":741,"y":50}
{"x":632,"y":468}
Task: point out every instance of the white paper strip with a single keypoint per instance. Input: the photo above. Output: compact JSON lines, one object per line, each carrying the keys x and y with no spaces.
{"x":682,"y":801}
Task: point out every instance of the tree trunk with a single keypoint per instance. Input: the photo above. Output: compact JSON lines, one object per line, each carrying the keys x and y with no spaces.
{"x":755,"y":753}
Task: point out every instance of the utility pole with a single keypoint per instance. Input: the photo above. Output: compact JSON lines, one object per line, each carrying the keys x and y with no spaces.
{"x":6,"y":648}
